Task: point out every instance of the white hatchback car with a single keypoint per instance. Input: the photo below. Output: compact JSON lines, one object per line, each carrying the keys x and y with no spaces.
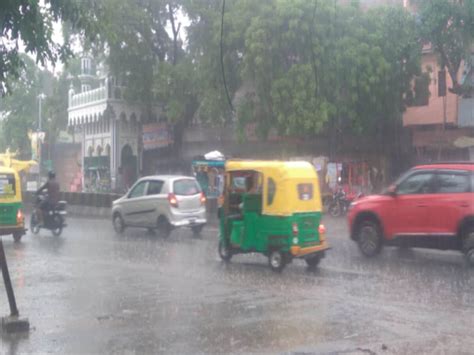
{"x":161,"y":203}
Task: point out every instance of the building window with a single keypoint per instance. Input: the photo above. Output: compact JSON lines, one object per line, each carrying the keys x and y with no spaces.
{"x":85,"y":87}
{"x":86,"y":65}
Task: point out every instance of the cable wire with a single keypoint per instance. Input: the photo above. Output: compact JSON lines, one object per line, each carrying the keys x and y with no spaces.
{"x":222,"y":58}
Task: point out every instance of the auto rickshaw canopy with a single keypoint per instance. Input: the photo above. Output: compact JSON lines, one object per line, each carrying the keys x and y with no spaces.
{"x":288,"y":187}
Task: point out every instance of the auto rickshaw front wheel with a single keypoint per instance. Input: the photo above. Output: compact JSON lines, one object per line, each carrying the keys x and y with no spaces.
{"x":225,"y":251}
{"x":17,"y":237}
{"x":276,"y":260}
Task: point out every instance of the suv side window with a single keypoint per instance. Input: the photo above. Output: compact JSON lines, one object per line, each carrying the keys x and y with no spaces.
{"x":418,"y":183}
{"x":138,"y":191}
{"x":154,"y":187}
{"x":449,"y":182}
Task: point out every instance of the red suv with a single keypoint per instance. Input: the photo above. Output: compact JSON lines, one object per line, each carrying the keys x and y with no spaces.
{"x":430,"y":206}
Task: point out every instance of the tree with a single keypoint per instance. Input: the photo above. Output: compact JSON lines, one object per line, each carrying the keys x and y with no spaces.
{"x":449,"y":27}
{"x":311,"y":67}
{"x":27,"y":26}
{"x":20,"y":109}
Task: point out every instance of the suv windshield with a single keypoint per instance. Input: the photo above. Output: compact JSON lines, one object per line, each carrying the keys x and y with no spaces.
{"x":186,"y":187}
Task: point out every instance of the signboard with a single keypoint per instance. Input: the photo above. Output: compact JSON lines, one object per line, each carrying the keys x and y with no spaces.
{"x":37,"y":138}
{"x":32,"y":186}
{"x":64,"y":137}
{"x":156,"y":135}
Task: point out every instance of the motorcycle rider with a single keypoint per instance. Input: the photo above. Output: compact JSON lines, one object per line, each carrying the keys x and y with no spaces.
{"x":52,"y":188}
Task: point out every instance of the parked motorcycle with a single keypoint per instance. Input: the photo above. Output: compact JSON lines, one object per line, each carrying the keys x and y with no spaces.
{"x":340,"y":203}
{"x":53,"y":220}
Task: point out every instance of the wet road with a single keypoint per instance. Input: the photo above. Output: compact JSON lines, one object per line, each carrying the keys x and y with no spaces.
{"x":92,"y":291}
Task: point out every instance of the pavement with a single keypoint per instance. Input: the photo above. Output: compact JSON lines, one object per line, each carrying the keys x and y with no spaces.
{"x":91,"y":291}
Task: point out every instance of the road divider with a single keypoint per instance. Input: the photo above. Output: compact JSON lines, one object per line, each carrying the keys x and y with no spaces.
{"x":99,"y":204}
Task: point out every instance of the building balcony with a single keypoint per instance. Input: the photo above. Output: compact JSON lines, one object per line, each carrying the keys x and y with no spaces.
{"x":95,"y":96}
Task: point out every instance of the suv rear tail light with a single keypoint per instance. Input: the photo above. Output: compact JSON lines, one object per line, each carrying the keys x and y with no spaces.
{"x":294,"y":229}
{"x":173,"y":200}
{"x":203,"y":198}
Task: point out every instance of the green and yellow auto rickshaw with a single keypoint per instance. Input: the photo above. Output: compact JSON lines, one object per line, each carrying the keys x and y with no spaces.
{"x":12,"y":220}
{"x":274,"y":208}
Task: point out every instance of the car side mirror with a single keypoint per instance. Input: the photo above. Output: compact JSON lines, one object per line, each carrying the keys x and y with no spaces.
{"x":392,"y":190}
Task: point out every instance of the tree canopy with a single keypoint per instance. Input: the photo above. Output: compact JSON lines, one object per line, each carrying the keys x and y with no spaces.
{"x":449,"y":27}
{"x":27,"y":26}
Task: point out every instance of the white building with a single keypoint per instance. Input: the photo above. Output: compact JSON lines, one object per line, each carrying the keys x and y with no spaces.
{"x":110,"y":131}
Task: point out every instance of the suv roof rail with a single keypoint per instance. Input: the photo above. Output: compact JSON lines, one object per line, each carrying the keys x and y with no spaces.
{"x":464,"y":162}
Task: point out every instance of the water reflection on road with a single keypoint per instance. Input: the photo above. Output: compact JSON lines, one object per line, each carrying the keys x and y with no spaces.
{"x":91,"y":291}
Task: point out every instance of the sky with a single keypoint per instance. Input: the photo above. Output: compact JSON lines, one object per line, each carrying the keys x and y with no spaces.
{"x":57,"y":67}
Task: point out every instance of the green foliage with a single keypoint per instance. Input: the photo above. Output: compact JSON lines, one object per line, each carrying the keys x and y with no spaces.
{"x":309,"y":65}
{"x":30,"y":23}
{"x":20,"y":109}
{"x":449,"y":27}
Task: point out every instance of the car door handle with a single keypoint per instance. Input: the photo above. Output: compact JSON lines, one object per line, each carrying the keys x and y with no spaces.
{"x":464,"y":204}
{"x":421,"y":205}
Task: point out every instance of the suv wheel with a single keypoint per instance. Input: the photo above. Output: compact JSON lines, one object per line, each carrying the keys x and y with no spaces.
{"x":468,"y":245}
{"x":369,"y":238}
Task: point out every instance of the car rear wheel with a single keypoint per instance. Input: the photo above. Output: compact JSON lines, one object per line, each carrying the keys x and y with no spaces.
{"x":276,"y":260}
{"x":163,"y":227}
{"x":119,"y":225}
{"x":369,"y":238}
{"x":197,"y":229}
{"x":468,"y":246}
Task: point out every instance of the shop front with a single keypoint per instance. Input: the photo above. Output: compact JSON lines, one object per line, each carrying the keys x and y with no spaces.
{"x":97,"y":174}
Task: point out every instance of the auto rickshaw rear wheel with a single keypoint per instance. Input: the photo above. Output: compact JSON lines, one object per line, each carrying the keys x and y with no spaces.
{"x":17,"y":237}
{"x":313,"y":261}
{"x":225,"y":252}
{"x":276,"y":260}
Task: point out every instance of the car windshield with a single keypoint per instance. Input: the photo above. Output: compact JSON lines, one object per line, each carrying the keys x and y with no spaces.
{"x":186,"y":187}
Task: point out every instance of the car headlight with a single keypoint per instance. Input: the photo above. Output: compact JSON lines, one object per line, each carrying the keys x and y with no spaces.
{"x":295,"y":240}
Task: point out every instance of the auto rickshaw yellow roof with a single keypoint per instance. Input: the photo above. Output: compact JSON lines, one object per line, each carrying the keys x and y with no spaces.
{"x":285,"y":169}
{"x":7,"y":170}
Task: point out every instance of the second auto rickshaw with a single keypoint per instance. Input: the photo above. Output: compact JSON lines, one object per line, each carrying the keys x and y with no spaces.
{"x":274,"y":208}
{"x":12,"y":220}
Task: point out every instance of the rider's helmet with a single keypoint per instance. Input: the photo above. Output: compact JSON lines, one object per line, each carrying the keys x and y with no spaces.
{"x":51,"y":175}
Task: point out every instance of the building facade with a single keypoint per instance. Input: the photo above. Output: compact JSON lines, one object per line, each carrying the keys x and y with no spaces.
{"x":109,"y":129}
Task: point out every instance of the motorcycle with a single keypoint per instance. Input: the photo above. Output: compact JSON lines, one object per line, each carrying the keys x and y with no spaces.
{"x":53,"y":219}
{"x":340,"y":203}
